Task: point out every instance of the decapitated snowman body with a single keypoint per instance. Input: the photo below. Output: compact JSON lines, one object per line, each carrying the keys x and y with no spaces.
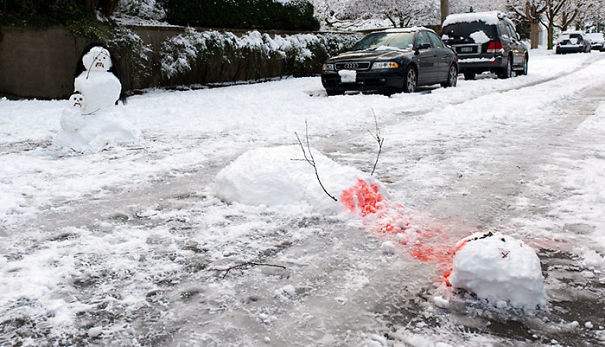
{"x":100,"y":87}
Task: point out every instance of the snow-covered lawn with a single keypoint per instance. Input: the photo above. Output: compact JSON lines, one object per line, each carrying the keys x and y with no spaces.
{"x":127,"y":244}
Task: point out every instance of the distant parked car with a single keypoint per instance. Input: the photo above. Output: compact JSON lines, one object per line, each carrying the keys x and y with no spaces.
{"x":572,"y":42}
{"x":597,"y":41}
{"x":485,"y":41}
{"x":392,"y":61}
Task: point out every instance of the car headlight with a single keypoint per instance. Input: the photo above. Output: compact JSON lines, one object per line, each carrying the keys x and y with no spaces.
{"x":385,"y":65}
{"x":328,"y":67}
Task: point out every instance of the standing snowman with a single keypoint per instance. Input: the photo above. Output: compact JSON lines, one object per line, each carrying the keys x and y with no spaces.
{"x":91,"y":121}
{"x":96,"y":79}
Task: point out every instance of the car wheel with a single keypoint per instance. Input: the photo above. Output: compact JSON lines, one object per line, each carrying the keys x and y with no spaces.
{"x":452,"y":78}
{"x":410,"y":80}
{"x":507,"y":72}
{"x":469,"y":75}
{"x":525,"y":66}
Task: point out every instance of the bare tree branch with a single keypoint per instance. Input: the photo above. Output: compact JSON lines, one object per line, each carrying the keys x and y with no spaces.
{"x":310,"y":159}
{"x":379,"y":140}
{"x":244,"y":265}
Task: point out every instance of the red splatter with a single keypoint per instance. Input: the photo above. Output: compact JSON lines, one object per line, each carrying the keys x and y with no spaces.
{"x":362,"y":198}
{"x":425,"y":243}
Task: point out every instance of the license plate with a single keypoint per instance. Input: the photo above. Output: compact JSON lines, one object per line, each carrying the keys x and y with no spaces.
{"x":466,"y":49}
{"x":347,"y":76}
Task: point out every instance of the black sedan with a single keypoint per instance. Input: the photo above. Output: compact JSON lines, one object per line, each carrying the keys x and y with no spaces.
{"x":392,"y":61}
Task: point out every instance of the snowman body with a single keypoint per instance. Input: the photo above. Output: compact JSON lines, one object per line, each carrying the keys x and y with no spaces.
{"x":96,"y":83}
{"x":101,"y":89}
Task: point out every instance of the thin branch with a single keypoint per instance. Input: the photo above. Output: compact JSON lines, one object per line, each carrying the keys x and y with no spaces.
{"x":379,"y":140}
{"x":310,"y":159}
{"x":246,"y":264}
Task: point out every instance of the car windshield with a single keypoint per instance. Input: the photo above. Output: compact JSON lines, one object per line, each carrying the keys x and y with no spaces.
{"x":463,"y":31}
{"x":377,"y":40}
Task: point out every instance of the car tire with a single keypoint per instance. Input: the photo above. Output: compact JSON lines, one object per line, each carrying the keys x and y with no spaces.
{"x":410,"y":80}
{"x":507,"y":72}
{"x":525,"y":66}
{"x":469,"y":76}
{"x":452,"y":77}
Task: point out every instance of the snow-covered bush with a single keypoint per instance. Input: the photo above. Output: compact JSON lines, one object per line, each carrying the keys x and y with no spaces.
{"x":299,"y":54}
{"x":144,"y":9}
{"x":133,"y":52}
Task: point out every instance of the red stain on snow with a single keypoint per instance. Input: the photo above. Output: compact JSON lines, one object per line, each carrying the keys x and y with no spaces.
{"x":423,"y":241}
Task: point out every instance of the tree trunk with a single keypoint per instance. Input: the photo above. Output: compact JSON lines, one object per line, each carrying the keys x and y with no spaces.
{"x":534,"y":36}
{"x":550,"y":34}
{"x":445,"y":9}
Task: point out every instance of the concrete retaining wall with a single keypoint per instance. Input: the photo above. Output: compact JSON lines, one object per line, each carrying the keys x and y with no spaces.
{"x":41,"y":63}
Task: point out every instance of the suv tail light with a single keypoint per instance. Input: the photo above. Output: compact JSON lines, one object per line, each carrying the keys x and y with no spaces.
{"x":495,"y":47}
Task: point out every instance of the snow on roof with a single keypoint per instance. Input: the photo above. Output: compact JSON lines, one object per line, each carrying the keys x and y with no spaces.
{"x":569,"y":32}
{"x":404,"y":30}
{"x":491,"y":17}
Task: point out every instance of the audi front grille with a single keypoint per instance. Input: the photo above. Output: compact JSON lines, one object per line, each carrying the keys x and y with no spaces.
{"x":364,"y":65}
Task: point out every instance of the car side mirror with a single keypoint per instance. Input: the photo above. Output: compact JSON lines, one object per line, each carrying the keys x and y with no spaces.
{"x":423,"y":46}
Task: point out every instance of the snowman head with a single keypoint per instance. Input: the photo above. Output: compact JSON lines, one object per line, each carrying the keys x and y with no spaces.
{"x":97,"y":59}
{"x":76,"y":100}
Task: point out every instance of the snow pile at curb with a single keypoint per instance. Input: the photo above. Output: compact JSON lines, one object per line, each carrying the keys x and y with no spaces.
{"x":501,"y":269}
{"x":280,"y":176}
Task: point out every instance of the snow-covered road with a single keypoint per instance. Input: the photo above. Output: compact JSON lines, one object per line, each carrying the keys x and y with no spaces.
{"x":125,"y":246}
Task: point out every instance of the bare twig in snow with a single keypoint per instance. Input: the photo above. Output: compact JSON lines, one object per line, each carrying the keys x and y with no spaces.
{"x":309,"y":159}
{"x":378,"y":139}
{"x":244,"y":265}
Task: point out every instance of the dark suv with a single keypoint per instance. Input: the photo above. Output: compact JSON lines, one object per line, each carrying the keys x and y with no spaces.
{"x":485,"y":41}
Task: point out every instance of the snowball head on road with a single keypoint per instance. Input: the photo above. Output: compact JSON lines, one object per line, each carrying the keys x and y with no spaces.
{"x":280,"y":176}
{"x":499,"y":268}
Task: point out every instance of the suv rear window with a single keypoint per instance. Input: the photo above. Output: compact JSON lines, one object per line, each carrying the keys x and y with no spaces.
{"x":457,"y":33}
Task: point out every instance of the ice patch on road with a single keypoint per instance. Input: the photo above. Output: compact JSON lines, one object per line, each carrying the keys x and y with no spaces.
{"x":276,"y":176}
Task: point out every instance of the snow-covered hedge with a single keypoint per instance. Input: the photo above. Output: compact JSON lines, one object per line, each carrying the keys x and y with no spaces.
{"x":243,"y":57}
